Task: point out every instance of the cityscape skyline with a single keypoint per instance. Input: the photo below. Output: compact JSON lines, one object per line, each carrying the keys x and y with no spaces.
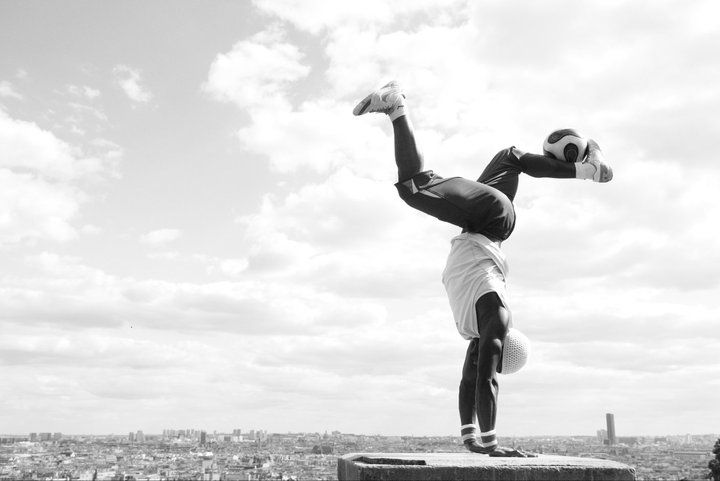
{"x":238,"y":435}
{"x":310,"y":456}
{"x":237,"y":431}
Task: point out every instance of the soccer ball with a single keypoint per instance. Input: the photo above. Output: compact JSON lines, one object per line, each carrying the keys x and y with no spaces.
{"x":565,"y":144}
{"x":516,"y":350}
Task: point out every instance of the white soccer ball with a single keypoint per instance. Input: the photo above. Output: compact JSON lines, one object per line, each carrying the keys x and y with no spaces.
{"x":566,"y":144}
{"x":516,"y":350}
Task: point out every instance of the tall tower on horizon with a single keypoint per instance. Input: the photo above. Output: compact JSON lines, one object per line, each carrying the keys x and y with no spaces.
{"x":610,"y":418}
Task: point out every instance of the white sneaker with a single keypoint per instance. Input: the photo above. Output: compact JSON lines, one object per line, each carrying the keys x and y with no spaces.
{"x":603,"y":172}
{"x":388,"y":99}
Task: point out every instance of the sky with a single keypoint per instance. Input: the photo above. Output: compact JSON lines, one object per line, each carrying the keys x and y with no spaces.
{"x":195,"y":232}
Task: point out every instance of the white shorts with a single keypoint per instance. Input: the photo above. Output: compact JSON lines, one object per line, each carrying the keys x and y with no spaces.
{"x":475,"y":266}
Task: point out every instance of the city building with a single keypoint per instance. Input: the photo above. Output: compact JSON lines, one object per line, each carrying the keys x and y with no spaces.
{"x":610,"y":418}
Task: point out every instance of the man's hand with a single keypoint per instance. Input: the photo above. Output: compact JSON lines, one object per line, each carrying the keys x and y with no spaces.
{"x":498,"y":451}
{"x":501,"y":452}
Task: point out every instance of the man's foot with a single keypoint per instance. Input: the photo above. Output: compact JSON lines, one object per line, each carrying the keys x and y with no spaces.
{"x":388,"y":99}
{"x":603,"y":172}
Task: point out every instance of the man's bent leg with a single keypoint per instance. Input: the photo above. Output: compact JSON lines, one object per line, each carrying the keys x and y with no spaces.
{"x":470,"y":205}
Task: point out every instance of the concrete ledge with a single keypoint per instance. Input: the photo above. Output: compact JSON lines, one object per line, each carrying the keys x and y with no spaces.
{"x":470,"y":466}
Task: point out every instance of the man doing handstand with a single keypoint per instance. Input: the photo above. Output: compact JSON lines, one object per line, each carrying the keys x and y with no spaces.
{"x":475,"y":273}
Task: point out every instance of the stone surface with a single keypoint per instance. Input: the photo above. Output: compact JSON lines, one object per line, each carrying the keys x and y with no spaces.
{"x":470,"y":466}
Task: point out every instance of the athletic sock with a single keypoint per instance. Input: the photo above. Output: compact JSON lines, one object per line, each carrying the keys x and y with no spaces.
{"x":584,"y":170}
{"x":488,"y":439}
{"x":468,"y":432}
{"x":398,"y":111}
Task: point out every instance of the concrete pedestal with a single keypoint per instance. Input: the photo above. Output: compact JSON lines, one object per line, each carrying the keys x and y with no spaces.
{"x":470,"y":466}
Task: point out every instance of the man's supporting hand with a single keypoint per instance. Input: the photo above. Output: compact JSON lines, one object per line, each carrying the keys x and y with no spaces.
{"x":501,"y":452}
{"x":497,"y":451}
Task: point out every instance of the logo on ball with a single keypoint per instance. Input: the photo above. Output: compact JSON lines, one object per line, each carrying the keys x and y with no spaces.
{"x":566,"y":144}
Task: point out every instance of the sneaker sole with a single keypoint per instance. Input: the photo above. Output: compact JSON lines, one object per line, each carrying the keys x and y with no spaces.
{"x":362,"y":107}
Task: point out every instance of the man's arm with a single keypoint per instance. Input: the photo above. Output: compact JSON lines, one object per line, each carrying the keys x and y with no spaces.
{"x":479,"y":387}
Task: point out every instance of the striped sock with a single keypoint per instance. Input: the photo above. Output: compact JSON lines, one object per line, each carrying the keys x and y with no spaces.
{"x":488,"y":439}
{"x":468,"y":432}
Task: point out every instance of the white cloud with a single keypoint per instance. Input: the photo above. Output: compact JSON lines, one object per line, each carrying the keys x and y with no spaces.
{"x":32,"y":208}
{"x":232,"y":267}
{"x":83,"y":91}
{"x":129,"y":80}
{"x":94,"y":112}
{"x":317,"y":15}
{"x":90,"y":229}
{"x":28,"y":148}
{"x":330,"y":136}
{"x":8,"y":91}
{"x":62,"y":291}
{"x":166,"y":256}
{"x":40,"y":174}
{"x":160,"y":236}
{"x":257,"y":72}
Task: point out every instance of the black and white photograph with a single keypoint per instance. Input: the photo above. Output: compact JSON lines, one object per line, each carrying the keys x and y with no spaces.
{"x":288,"y":240}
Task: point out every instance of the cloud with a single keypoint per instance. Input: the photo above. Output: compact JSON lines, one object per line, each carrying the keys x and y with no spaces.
{"x":229,"y":267}
{"x":129,"y":80}
{"x":83,"y":91}
{"x":322,"y":14}
{"x":40,"y":176}
{"x":8,"y":91}
{"x":27,"y":147}
{"x":160,"y":236}
{"x":62,"y":292}
{"x":167,"y":256}
{"x":33,"y":208}
{"x":257,"y":71}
